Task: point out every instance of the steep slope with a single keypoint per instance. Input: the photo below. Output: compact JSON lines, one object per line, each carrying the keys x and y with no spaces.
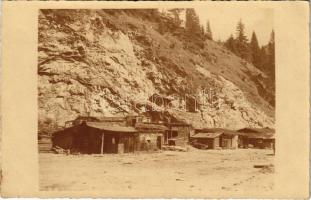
{"x":110,"y":62}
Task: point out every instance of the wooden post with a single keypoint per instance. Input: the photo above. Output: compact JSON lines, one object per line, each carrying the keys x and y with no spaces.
{"x":170,"y":131}
{"x":102,"y":144}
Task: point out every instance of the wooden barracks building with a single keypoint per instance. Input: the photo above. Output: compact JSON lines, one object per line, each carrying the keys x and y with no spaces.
{"x":119,"y":135}
{"x":90,"y":135}
{"x":215,"y":138}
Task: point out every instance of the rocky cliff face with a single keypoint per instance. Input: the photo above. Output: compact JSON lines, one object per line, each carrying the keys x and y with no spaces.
{"x":110,"y":63}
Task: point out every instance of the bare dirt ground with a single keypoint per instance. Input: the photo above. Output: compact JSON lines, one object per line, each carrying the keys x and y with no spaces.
{"x":167,"y":173}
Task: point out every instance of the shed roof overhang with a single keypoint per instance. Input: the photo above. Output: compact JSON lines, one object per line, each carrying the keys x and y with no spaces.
{"x":112,"y":128}
{"x":206,"y":135}
{"x":151,"y":126}
{"x":217,"y":130}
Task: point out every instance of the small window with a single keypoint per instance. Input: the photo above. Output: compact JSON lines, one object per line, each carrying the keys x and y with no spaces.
{"x":171,"y":143}
{"x":139,"y":119}
{"x":146,"y":119}
{"x":174,"y":134}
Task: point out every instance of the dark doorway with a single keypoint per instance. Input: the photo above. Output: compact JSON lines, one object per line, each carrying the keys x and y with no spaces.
{"x":110,"y":143}
{"x":159,"y":142}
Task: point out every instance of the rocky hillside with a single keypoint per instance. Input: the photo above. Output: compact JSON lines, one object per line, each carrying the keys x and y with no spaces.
{"x":111,"y":62}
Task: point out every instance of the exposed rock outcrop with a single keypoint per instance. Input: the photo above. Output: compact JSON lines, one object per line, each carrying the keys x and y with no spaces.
{"x":95,"y":63}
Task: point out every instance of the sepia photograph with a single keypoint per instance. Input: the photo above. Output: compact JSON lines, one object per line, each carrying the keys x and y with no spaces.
{"x":196,"y":99}
{"x":176,"y":100}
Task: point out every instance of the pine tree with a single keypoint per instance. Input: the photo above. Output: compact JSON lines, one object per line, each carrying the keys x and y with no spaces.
{"x":255,"y":50}
{"x":208,"y":31}
{"x":272,"y":48}
{"x":161,"y":27}
{"x":242,"y":42}
{"x":189,"y":19}
{"x":192,"y":22}
{"x":272,"y":37}
{"x":230,"y":44}
{"x":240,"y":31}
{"x":271,"y":56}
{"x":176,"y":13}
{"x":202,"y":31}
{"x":263,"y":58}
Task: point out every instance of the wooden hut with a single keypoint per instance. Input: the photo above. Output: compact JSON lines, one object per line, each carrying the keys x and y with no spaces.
{"x":203,"y":140}
{"x":44,"y":142}
{"x":151,"y":136}
{"x":178,"y":134}
{"x":215,"y":138}
{"x":120,"y":134}
{"x":96,"y":137}
{"x":257,"y":138}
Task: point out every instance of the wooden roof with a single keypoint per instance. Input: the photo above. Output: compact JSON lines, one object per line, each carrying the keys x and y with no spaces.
{"x":206,"y":135}
{"x":112,"y":119}
{"x":257,"y":130}
{"x":217,"y":130}
{"x":111,"y":128}
{"x":260,"y":133}
{"x":151,"y":126}
{"x":178,"y":124}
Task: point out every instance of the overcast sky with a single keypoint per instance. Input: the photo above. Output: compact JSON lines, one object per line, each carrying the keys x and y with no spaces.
{"x":223,"y":21}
